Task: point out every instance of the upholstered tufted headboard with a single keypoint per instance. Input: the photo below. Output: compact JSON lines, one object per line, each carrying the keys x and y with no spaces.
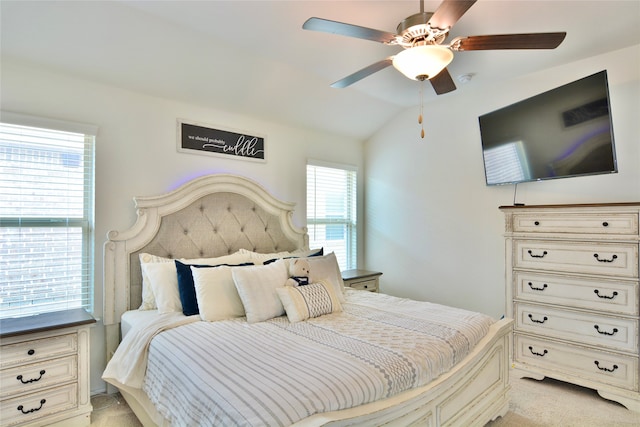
{"x":208,"y":217}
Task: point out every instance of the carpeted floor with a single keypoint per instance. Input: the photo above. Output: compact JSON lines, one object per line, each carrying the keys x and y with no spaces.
{"x":551,"y":403}
{"x":546,"y":403}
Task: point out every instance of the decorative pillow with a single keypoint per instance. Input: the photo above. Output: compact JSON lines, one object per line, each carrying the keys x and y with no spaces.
{"x":217,"y":296}
{"x":186,"y":288}
{"x":313,"y":300}
{"x":234,"y":258}
{"x":326,"y":269}
{"x":148,"y":298}
{"x":164,"y":285}
{"x":186,"y":285}
{"x":257,"y":286}
{"x":300,"y":253}
{"x":258,"y":258}
{"x":303,"y":253}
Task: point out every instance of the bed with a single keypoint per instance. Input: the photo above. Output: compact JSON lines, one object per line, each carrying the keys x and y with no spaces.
{"x":246,"y":350}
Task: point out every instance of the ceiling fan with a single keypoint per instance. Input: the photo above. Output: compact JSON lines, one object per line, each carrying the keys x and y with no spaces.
{"x":422,"y":35}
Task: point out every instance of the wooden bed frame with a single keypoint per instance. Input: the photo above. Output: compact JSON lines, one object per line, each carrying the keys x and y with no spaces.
{"x":219,"y":214}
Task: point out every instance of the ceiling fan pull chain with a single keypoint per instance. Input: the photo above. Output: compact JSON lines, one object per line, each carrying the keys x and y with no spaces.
{"x":420,"y":121}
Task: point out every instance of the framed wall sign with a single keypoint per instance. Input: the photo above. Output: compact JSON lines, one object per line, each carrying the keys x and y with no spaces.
{"x":202,"y":138}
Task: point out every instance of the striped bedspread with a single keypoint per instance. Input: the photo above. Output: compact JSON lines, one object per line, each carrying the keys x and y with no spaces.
{"x":274,"y":373}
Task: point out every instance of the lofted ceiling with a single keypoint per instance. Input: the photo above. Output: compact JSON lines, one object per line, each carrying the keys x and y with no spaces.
{"x":253,"y":58}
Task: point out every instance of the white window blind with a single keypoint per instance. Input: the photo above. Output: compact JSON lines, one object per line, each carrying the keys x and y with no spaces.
{"x":46,"y":209}
{"x":331,"y":212}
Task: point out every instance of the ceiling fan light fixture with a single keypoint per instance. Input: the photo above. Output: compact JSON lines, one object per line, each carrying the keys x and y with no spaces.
{"x":423,"y":62}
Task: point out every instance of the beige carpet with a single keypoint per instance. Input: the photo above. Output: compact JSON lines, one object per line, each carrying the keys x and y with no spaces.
{"x":546,"y":403}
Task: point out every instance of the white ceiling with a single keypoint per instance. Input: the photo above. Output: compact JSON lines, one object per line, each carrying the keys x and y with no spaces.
{"x":252,"y":57}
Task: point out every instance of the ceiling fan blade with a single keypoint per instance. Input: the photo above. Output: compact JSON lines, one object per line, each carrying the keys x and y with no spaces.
{"x":509,"y":41}
{"x":366,"y":71}
{"x":443,"y":83}
{"x":449,"y":12}
{"x":349,"y":30}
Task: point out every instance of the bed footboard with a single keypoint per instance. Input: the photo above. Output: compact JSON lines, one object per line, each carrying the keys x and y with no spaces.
{"x":473,"y":393}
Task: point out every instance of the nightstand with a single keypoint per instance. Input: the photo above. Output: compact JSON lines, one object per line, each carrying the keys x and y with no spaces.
{"x":44,"y":369}
{"x":362,"y":279}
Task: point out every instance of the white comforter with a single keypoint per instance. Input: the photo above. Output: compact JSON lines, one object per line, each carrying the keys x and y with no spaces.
{"x":275,"y":373}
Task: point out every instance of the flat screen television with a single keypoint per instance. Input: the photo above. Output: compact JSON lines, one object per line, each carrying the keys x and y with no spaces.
{"x":564,"y":132}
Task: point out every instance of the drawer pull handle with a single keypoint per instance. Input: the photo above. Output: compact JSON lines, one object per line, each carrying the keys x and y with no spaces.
{"x":613,"y":295}
{"x":605,"y":224}
{"x":28,"y":411}
{"x":31,"y":352}
{"x":613,"y":332}
{"x":544,"y":319}
{"x":537,"y":256}
{"x":533,"y":288}
{"x":536,"y":223}
{"x":605,"y":369}
{"x":613,"y":258}
{"x":32,"y":380}
{"x":536,"y":353}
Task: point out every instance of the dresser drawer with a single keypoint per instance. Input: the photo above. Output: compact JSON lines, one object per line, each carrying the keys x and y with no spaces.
{"x":608,"y":259}
{"x":577,"y":223}
{"x":35,"y":350}
{"x":601,"y":366}
{"x":29,"y":378}
{"x":590,"y":293}
{"x":587,"y":328}
{"x":40,"y":404}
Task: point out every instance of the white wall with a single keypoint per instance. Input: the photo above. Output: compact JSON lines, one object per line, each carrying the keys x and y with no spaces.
{"x":432,"y":226}
{"x":136,"y":152}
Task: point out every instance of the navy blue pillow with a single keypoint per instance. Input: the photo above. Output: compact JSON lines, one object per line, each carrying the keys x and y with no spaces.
{"x":187,"y":288}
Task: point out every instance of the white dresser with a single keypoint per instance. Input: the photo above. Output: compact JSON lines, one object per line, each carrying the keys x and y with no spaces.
{"x":44,"y":370}
{"x":572,"y":290}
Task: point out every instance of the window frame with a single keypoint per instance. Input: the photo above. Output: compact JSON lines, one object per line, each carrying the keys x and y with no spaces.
{"x":349,"y":221}
{"x":86,"y":223}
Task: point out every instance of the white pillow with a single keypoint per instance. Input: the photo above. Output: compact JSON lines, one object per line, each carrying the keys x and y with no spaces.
{"x":258,"y":258}
{"x":234,"y":258}
{"x":216,"y":292}
{"x":257,"y":286}
{"x":326,"y":269}
{"x":306,"y":252}
{"x":164,"y":285}
{"x":149,"y":299}
{"x":312,"y":300}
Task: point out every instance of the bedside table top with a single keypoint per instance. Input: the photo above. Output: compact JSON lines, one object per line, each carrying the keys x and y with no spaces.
{"x":44,"y":322}
{"x":359,"y":274}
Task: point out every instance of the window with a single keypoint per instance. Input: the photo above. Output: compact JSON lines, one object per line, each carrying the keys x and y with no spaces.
{"x":46,"y":209}
{"x":331,"y":211}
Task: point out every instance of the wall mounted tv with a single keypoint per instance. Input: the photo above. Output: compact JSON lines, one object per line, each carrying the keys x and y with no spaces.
{"x":565,"y":132}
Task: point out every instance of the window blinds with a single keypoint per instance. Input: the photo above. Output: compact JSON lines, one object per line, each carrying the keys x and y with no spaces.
{"x":46,"y":210}
{"x":331,"y":212}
